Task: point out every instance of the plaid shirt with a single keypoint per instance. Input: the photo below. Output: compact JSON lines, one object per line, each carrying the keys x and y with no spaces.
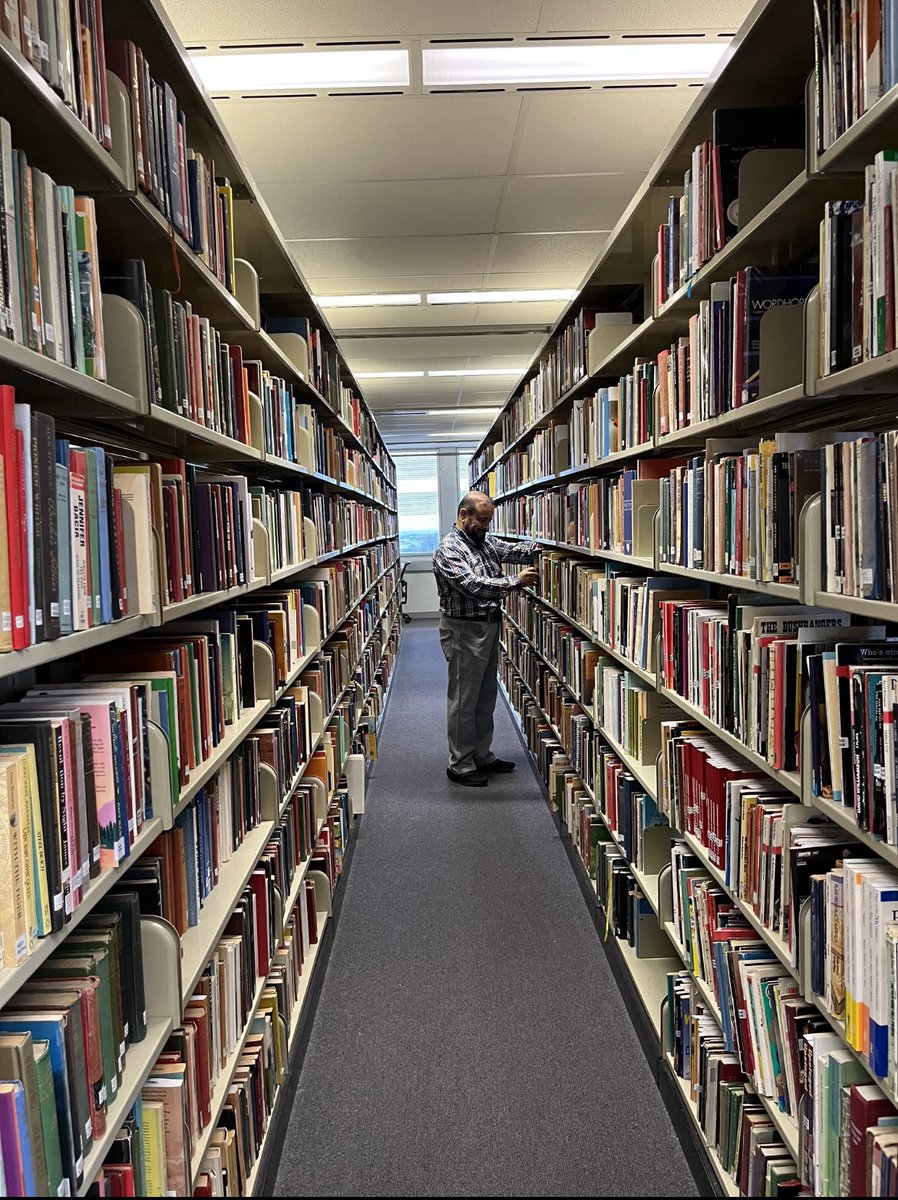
{"x":469,"y":574}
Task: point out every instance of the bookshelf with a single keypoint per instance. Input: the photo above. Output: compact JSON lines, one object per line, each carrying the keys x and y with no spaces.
{"x":344,"y":478}
{"x":771,"y":62}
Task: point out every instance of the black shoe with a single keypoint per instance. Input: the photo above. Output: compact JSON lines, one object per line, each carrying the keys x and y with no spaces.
{"x":467,"y":778}
{"x":497,"y":766}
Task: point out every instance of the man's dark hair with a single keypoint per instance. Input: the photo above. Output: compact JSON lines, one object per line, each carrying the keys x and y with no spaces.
{"x":470,"y":501}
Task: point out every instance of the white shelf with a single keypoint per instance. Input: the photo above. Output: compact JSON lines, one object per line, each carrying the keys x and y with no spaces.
{"x":649,"y":976}
{"x":141,"y":1059}
{"x":198,"y":943}
{"x":786,"y":591}
{"x":14,"y":661}
{"x":845,"y":818}
{"x":12,"y":978}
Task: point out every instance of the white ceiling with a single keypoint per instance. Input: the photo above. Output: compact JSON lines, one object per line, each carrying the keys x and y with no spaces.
{"x":453,"y":192}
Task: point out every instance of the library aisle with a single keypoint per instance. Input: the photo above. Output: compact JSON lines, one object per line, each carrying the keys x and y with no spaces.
{"x":470,"y":1037}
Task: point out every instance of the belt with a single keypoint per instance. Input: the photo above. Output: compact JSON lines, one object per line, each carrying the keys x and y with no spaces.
{"x":495,"y":614}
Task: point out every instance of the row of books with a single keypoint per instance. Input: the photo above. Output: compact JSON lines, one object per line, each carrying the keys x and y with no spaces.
{"x":151,"y":1155}
{"x":564,"y":364}
{"x":857,"y":273}
{"x":81,"y":529}
{"x":193,"y":371}
{"x":761,"y":1019}
{"x":715,"y":368}
{"x":706,"y":216}
{"x":64,"y":1042}
{"x":321,"y":366}
{"x":178,"y":179}
{"x":49,"y":265}
{"x":736,"y":508}
{"x":856,"y":63}
{"x":735,"y":1124}
{"x":153,"y":1159}
{"x":742,"y":664}
{"x":52,"y":280}
{"x":64,"y":43}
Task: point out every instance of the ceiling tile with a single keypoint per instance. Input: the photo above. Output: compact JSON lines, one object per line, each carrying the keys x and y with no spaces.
{"x":566,"y":202}
{"x":542,"y":313}
{"x":357,"y":285}
{"x":222,"y":20}
{"x":638,"y":16}
{"x":367,"y":138}
{"x":603,"y":131}
{"x":410,"y":317}
{"x":392,"y":255}
{"x":568,"y":253}
{"x":329,"y":210}
{"x":514,"y":347}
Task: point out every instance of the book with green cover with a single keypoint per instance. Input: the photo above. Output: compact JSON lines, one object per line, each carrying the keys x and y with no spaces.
{"x":84,"y":962}
{"x":842,"y":1070}
{"x":49,"y":1122}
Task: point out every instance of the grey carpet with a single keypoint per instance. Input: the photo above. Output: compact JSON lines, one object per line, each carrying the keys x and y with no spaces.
{"x":470,"y":1038}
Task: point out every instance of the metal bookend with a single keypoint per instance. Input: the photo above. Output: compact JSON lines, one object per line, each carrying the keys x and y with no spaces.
{"x":305,"y":452}
{"x":161,"y":775}
{"x":294,"y":347}
{"x":322,"y":893}
{"x":310,"y":538}
{"x":762,"y":176}
{"x":781,"y":349}
{"x":261,"y":552}
{"x":810,"y":559}
{"x":125,"y":334}
{"x":161,"y":968}
{"x":246,"y":289}
{"x":121,"y":129}
{"x":311,"y":624}
{"x":269,"y":796}
{"x":263,"y":667}
{"x":256,"y":423}
{"x":354,"y":769}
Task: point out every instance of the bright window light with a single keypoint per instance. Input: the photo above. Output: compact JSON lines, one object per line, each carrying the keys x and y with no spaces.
{"x":475,"y":371}
{"x":570,"y":64}
{"x":269,"y":71}
{"x":372,"y":301}
{"x":511,"y":297}
{"x":389,"y":375}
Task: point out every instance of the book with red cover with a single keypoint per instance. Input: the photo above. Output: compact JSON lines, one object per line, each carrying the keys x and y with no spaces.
{"x":867,"y":1106}
{"x":11,"y":449}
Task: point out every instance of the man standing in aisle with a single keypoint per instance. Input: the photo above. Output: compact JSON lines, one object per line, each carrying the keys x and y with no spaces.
{"x":468,"y":569}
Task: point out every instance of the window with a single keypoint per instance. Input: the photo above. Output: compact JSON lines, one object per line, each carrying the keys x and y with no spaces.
{"x":418,"y":501}
{"x":464,"y":475}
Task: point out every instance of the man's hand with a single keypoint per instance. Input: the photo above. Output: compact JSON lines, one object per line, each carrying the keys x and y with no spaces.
{"x":529,"y":577}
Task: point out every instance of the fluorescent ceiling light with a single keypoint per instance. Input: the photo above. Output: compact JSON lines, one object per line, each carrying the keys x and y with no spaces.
{"x":463,"y":412}
{"x":268,"y":71}
{"x":475,"y":371}
{"x":466,"y":435}
{"x":371,"y":301}
{"x":500,"y":297}
{"x":389,"y":375}
{"x":570,"y":64}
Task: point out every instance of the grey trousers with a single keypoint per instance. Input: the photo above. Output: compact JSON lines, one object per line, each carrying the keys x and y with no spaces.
{"x":471,"y":649}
